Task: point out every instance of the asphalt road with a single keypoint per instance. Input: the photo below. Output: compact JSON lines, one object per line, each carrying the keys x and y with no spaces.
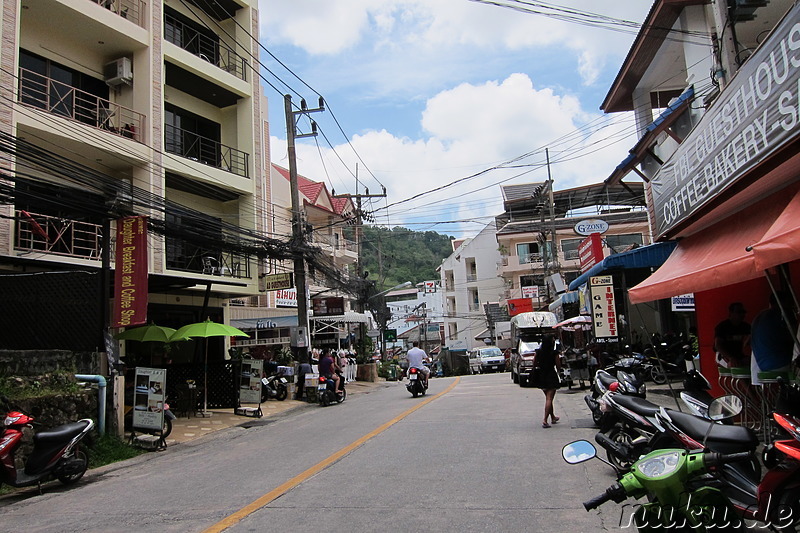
{"x":474,"y":458}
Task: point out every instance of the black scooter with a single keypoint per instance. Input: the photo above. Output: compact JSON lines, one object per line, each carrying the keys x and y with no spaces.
{"x":417,"y":384}
{"x":326,"y":391}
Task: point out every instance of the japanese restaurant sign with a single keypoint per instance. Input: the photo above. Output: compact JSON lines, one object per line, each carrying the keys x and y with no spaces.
{"x":130,"y":273}
{"x":604,"y":311}
{"x":757,"y":114}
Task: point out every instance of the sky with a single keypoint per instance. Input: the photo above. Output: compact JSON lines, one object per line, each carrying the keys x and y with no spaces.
{"x":443,"y":101}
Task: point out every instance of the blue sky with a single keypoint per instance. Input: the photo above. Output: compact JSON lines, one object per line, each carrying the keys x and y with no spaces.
{"x":432,"y":92}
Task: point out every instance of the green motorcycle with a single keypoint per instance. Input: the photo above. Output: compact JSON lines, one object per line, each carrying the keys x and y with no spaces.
{"x":665,"y":478}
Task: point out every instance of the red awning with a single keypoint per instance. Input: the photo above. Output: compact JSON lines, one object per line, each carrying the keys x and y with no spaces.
{"x":719,"y":255}
{"x":781,"y":243}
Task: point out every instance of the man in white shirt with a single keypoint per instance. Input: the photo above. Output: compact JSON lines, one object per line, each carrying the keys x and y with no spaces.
{"x":416,"y":357}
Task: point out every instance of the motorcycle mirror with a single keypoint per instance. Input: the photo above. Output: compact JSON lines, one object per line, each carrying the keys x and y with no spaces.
{"x":578,"y":452}
{"x":725,"y":407}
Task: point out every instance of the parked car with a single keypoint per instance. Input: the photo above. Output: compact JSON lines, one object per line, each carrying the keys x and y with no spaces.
{"x":522,"y":360}
{"x":487,"y":359}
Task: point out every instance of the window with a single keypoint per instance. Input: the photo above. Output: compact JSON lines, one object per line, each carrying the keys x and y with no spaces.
{"x":569,"y":247}
{"x":191,"y":136}
{"x":528,"y":252}
{"x":619,"y":243}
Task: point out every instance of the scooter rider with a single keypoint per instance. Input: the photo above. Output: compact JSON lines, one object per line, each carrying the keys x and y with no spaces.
{"x":327,"y":368}
{"x":416,"y":357}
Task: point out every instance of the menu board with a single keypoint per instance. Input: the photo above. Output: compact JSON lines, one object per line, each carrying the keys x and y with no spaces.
{"x":250,"y":381}
{"x":148,"y":398}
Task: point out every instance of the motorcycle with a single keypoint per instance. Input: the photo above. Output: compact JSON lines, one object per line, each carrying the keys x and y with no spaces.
{"x":417,"y":384}
{"x":57,"y":453}
{"x":660,"y":368}
{"x":274,"y":386}
{"x":326,"y":391}
{"x":664,"y":477}
{"x":695,"y":393}
{"x":604,"y":382}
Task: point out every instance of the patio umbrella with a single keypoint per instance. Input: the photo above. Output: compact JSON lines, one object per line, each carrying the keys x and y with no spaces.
{"x":206,"y":329}
{"x":148,"y":333}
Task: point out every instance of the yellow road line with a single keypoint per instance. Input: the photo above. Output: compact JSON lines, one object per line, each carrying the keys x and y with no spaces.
{"x":267,"y":498}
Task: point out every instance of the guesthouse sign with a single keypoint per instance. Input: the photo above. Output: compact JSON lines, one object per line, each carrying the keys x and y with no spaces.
{"x":592,"y":225}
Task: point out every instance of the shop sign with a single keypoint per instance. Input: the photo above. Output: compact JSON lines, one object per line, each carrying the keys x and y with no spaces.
{"x":757,"y":114}
{"x":519,"y":305}
{"x":250,"y":381}
{"x":286,"y":298}
{"x":130,"y":273}
{"x":604,"y":311}
{"x":430,"y":286}
{"x":530,"y":292}
{"x":148,"y":398}
{"x":684,"y":302}
{"x":590,"y":251}
{"x":333,"y":306}
{"x":592,"y":225}
{"x":274,"y":282}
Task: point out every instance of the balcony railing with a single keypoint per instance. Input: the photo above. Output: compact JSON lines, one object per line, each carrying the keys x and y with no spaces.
{"x":53,"y":235}
{"x":471,"y":278}
{"x":64,"y":100}
{"x":225,"y":264}
{"x":204,"y":47}
{"x":333,"y":242}
{"x":188,"y":144}
{"x":530,"y":258}
{"x":127,"y":9}
{"x":571,"y":255}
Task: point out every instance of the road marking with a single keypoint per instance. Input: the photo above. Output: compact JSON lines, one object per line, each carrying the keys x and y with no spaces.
{"x":269,"y":497}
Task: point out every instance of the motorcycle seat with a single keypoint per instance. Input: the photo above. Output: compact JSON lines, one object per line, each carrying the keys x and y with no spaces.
{"x":605,"y":379}
{"x":722,"y":438}
{"x":60,"y":433}
{"x":640,"y":406}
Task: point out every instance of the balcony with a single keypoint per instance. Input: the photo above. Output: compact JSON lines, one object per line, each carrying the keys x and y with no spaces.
{"x":224,"y":264}
{"x":333,"y":243}
{"x":571,"y":255}
{"x":132,"y":10}
{"x":41,"y":92}
{"x":53,"y":235}
{"x":472,"y":278}
{"x":526,"y":259}
{"x":204,"y":47}
{"x":204,"y":150}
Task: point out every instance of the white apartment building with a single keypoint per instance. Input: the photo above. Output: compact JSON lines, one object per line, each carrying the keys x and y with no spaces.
{"x":469,"y":280}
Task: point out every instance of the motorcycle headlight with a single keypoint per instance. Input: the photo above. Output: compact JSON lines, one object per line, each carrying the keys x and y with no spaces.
{"x":660,"y":465}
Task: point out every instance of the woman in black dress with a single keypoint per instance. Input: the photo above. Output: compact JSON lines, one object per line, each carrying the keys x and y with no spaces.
{"x":546,"y":377}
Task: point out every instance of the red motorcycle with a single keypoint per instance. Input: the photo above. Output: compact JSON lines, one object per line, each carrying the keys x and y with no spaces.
{"x":57,"y":453}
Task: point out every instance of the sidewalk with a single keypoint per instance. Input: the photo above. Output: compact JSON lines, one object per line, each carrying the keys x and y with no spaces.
{"x":187,"y":429}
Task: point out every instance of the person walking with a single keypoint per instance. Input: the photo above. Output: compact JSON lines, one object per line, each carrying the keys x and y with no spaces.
{"x":545,"y":377}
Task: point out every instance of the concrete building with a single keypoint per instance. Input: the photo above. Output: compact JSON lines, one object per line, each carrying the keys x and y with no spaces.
{"x":118,"y":109}
{"x":469,"y":279}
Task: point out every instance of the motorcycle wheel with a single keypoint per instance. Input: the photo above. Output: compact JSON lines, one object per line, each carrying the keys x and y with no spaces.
{"x":341,"y":397}
{"x":414,"y":393}
{"x":622,"y":464}
{"x":658,"y":377}
{"x":281,"y":393}
{"x":72,"y":478}
{"x":597,"y":416}
{"x":325,"y":398}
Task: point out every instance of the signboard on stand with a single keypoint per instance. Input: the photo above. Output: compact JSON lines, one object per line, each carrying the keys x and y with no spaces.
{"x":250,"y":381}
{"x":603,"y":308}
{"x":148,"y":398}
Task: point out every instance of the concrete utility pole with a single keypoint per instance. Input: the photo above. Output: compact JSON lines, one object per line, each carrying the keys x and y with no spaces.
{"x":298,"y":233}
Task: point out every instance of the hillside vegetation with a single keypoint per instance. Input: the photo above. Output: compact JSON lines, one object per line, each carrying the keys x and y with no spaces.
{"x":393,"y":256}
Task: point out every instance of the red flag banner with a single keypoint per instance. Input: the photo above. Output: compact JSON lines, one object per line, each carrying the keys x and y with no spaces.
{"x":130,"y":275}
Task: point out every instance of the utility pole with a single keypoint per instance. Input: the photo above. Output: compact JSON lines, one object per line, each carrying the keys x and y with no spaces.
{"x":298,"y":233}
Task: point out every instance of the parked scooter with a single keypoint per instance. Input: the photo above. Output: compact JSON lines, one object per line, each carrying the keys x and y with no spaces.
{"x":663,"y":477}
{"x":417,"y":384}
{"x":57,"y":453}
{"x":326,"y":391}
{"x":604,"y":382}
{"x":695,"y":393}
{"x":274,"y":386}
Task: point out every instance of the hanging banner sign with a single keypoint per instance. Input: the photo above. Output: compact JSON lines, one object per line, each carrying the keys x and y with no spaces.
{"x":590,"y":251}
{"x":604,"y":311}
{"x":519,"y":305}
{"x":531,"y":291}
{"x":148,"y":398}
{"x":250,"y":381}
{"x":756,"y":115}
{"x":130,"y":273}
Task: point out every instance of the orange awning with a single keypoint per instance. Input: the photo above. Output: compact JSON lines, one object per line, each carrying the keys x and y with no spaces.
{"x":781,"y":243}
{"x":719,"y":256}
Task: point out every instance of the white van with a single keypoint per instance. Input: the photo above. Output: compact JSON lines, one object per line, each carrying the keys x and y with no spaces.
{"x":486,"y":359}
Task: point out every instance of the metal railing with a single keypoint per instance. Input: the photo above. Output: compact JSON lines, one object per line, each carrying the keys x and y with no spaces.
{"x":224,"y":264}
{"x":530,"y":258}
{"x":570,"y":255}
{"x":53,"y":235}
{"x":58,"y":98}
{"x":204,"y":47}
{"x":132,"y":10}
{"x":192,"y":146}
{"x":472,"y":278}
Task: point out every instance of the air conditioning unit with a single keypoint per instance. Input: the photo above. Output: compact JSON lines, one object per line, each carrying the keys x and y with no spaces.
{"x":118,"y":72}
